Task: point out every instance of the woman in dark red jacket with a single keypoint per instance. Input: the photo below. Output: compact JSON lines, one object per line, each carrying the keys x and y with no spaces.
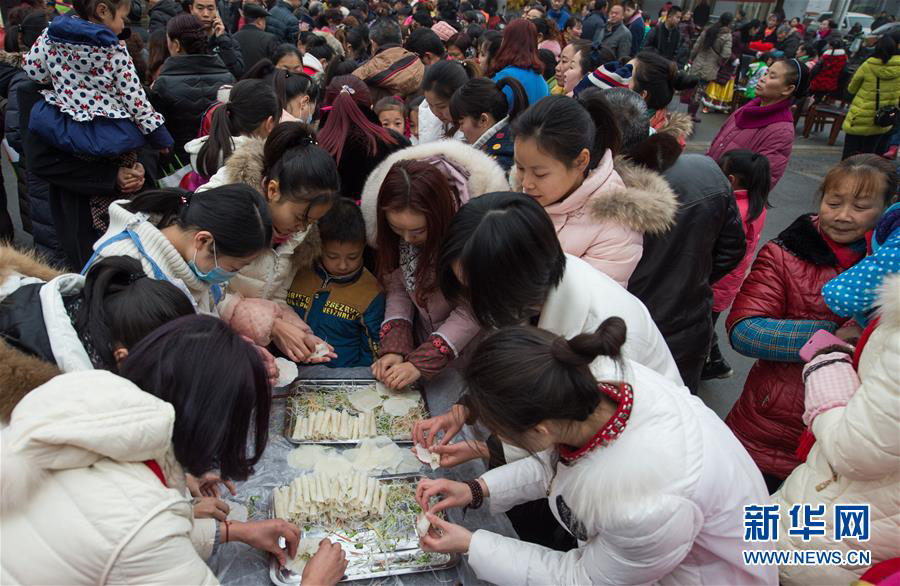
{"x":780,"y":306}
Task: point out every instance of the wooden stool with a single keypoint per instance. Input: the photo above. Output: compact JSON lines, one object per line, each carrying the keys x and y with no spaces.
{"x":820,"y":115}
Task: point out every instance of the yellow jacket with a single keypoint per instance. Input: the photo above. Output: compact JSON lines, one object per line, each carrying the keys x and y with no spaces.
{"x":861,"y":117}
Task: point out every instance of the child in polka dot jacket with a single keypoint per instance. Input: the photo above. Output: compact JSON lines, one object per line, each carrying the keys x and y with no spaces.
{"x":97,"y":106}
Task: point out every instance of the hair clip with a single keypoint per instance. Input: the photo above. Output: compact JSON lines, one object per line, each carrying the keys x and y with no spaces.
{"x":348,"y":89}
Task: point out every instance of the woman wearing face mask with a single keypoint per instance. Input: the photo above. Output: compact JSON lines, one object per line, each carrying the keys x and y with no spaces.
{"x":299,"y":180}
{"x":483,"y":114}
{"x":564,"y":160}
{"x":765,"y":125}
{"x":648,"y":479}
{"x":197,"y":242}
{"x":52,"y":322}
{"x":780,"y":306}
{"x":408,"y":203}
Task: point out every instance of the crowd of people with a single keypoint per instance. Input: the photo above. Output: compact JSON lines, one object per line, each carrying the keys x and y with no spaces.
{"x":421,"y":189}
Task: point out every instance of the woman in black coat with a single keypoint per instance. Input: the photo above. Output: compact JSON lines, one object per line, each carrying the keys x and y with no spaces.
{"x":188,"y":81}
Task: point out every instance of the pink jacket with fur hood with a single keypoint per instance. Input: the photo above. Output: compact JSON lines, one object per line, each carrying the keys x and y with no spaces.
{"x":604,"y":220}
{"x":435,"y":317}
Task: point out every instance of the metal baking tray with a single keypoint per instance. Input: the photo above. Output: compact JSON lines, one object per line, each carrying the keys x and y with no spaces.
{"x":391,"y":563}
{"x":299,"y":384}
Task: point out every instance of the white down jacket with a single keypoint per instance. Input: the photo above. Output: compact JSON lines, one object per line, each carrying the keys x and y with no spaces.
{"x":856,"y":458}
{"x":79,"y":504}
{"x":661,"y":504}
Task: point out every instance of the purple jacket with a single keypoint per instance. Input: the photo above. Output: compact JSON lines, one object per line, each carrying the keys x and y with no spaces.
{"x":766,"y":130}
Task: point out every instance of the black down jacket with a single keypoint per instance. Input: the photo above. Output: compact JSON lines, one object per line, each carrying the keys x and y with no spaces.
{"x":186,"y":87}
{"x":42,"y":228}
{"x":162,"y":12}
{"x":675,"y":275}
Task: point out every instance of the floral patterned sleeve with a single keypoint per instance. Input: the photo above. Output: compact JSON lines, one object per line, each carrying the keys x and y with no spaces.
{"x":431,"y":356}
{"x":131,"y":94}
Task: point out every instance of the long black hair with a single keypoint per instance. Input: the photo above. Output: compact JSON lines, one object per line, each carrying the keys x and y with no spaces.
{"x":217,"y":407}
{"x":564,"y":126}
{"x":236,"y":215}
{"x":712,"y":33}
{"x":753,"y":174}
{"x":286,"y":84}
{"x":250,"y":103}
{"x":482,"y":95}
{"x":885,"y":48}
{"x":660,"y":78}
{"x":305,"y":172}
{"x":119,"y":305}
{"x":445,"y":77}
{"x":509,"y":254}
{"x":525,"y":375}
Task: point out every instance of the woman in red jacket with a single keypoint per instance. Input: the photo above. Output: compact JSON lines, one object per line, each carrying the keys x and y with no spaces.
{"x":780,"y":306}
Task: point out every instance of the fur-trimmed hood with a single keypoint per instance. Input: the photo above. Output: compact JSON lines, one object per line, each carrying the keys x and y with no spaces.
{"x":19,"y":374}
{"x":25,"y":263}
{"x":678,"y":124}
{"x":644,"y":204}
{"x":485,"y":175}
{"x":888,"y":304}
{"x":12,"y":59}
{"x":18,"y":268}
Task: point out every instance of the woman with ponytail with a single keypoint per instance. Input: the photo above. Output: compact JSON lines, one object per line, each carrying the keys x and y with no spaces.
{"x":657,"y":79}
{"x":252,"y":110}
{"x":351,"y":133}
{"x":483,"y":114}
{"x":299,"y":181}
{"x":297,"y":93}
{"x":648,"y":479}
{"x":564,"y":152}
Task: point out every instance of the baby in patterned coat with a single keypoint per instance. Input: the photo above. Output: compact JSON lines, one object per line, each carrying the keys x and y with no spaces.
{"x":97,"y":106}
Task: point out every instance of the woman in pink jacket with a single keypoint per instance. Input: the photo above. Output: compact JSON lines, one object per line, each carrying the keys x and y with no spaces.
{"x":765,"y":125}
{"x":564,"y":154}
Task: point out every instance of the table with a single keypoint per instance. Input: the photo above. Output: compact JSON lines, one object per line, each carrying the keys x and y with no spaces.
{"x":236,"y":564}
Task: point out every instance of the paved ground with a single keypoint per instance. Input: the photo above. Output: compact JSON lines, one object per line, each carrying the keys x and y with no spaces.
{"x":795,"y":194}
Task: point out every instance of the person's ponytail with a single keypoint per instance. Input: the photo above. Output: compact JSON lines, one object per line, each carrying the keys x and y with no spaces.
{"x":525,"y":375}
{"x":583,"y":349}
{"x":753,"y":173}
{"x":250,"y":103}
{"x":304,"y":171}
{"x":607,"y":134}
{"x":520,"y":97}
{"x":345,"y":95}
{"x":683,"y":81}
{"x":236,"y":215}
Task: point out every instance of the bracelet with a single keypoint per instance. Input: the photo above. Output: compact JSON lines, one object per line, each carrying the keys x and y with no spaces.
{"x":477,"y":494}
{"x":227,"y":524}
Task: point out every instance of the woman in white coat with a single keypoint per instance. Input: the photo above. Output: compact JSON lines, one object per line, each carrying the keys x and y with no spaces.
{"x":502,"y":257}
{"x":108,"y":455}
{"x":650,"y":481}
{"x":853,"y":410}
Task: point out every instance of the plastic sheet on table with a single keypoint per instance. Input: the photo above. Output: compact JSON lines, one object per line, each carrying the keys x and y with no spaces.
{"x":236,"y":564}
